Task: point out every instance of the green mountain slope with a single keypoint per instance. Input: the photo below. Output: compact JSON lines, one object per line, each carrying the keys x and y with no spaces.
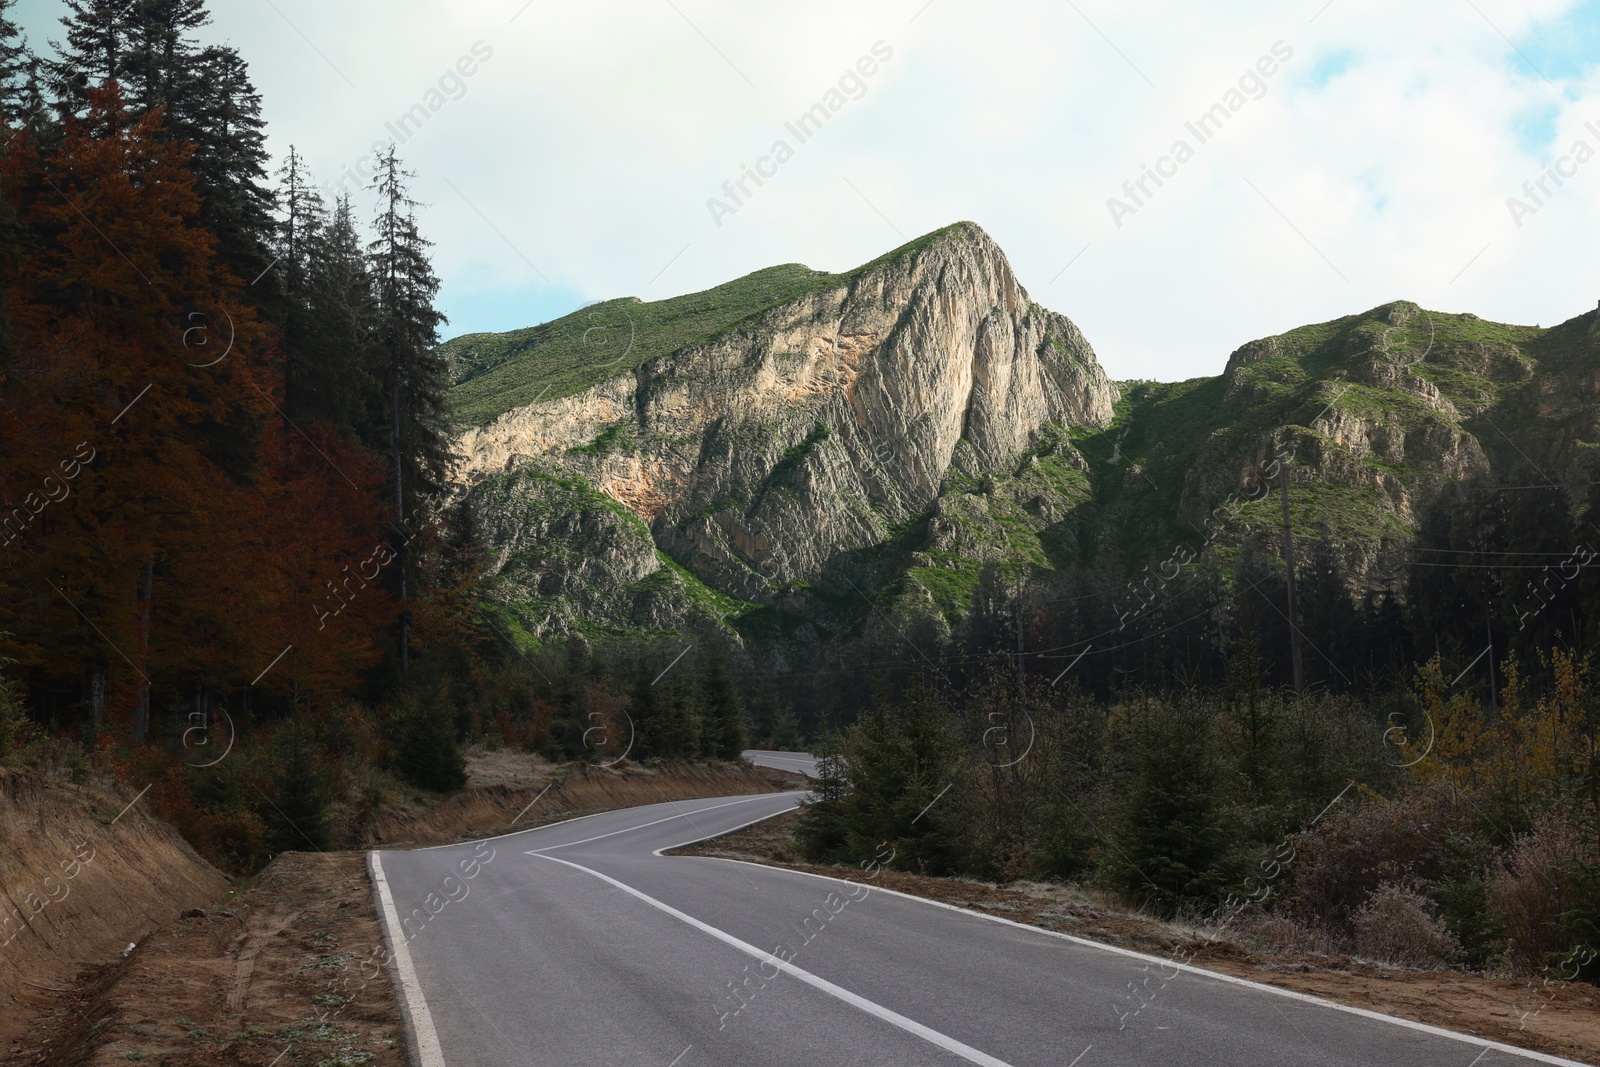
{"x":496,"y":372}
{"x":812,"y":455}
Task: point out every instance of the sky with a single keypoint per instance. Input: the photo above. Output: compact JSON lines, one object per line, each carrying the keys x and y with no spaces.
{"x":1359,"y":151}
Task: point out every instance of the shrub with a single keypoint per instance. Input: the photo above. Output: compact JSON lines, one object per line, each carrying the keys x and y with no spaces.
{"x":1355,"y":849}
{"x":1534,"y":889}
{"x":1397,"y":926}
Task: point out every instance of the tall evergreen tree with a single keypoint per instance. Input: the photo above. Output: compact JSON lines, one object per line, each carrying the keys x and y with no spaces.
{"x":721,"y":710}
{"x":299,"y":237}
{"x":16,"y":67}
{"x":297,"y":817}
{"x":1327,"y":614}
{"x":149,"y":48}
{"x":95,"y":52}
{"x":345,"y":377}
{"x":220,"y":111}
{"x":644,"y":709}
{"x":406,"y":331}
{"x":157,"y":67}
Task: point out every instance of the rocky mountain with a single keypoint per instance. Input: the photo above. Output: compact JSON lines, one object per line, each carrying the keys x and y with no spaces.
{"x":796,"y":455}
{"x":771,"y":462}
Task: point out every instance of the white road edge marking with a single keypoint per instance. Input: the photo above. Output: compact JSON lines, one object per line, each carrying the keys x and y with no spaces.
{"x":1307,"y":998}
{"x":411,"y":1000}
{"x":911,"y":1026}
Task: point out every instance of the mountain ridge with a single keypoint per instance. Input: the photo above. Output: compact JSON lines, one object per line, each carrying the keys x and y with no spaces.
{"x":864,"y":446}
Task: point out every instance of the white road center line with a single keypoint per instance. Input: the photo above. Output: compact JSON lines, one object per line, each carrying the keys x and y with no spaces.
{"x":911,"y":1026}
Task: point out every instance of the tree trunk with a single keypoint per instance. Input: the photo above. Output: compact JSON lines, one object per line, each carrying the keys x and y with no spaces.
{"x":97,"y":700}
{"x":400,"y":515}
{"x":141,"y":715}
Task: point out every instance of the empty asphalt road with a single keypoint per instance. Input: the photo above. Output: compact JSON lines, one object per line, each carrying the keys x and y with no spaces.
{"x":576,"y":944}
{"x":799,"y":762}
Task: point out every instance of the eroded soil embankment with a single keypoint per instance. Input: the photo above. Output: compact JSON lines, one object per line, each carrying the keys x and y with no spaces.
{"x":80,"y":878}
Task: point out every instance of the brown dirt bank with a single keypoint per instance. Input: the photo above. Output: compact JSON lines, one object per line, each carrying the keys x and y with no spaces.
{"x":82,"y":874}
{"x":290,"y":965}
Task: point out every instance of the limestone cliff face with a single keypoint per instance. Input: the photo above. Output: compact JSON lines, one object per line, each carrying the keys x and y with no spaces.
{"x":764,"y":455}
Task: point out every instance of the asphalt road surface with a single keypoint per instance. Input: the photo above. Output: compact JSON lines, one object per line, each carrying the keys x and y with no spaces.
{"x":576,"y":944}
{"x":800,"y":762}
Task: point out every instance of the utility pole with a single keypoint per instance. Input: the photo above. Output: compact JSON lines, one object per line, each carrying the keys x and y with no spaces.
{"x":1288,"y":561}
{"x":1022,"y":675}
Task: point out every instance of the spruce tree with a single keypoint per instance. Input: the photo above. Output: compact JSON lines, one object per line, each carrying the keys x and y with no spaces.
{"x":644,"y":709}
{"x":406,"y":332}
{"x":786,"y":730}
{"x":345,"y":377}
{"x":679,"y":734}
{"x":157,"y":67}
{"x":148,"y":47}
{"x":16,"y":67}
{"x":95,"y":52}
{"x":1170,"y":848}
{"x":426,"y":754}
{"x":297,"y":815}
{"x":822,"y":828}
{"x":299,"y":237}
{"x":1327,"y":613}
{"x":220,"y":111}
{"x":721,"y":710}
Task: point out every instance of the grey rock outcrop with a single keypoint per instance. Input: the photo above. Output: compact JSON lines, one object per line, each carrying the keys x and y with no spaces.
{"x":806,"y":433}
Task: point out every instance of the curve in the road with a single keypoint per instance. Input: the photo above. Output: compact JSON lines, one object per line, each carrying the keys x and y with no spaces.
{"x":578,"y":942}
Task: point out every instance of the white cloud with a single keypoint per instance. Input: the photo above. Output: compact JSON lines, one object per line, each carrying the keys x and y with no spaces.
{"x":594,"y":136}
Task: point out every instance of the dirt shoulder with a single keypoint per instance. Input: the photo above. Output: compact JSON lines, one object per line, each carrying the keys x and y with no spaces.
{"x":1558,"y":1018}
{"x":288,"y":971}
{"x":285,"y":969}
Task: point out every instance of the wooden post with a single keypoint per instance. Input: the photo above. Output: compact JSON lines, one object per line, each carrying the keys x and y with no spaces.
{"x":1288,"y":562}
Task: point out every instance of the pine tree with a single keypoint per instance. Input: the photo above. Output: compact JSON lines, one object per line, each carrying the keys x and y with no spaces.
{"x":345,"y":373}
{"x":721,"y":710}
{"x":16,"y":66}
{"x":298,"y":245}
{"x":406,"y":331}
{"x":98,"y":37}
{"x":297,"y":814}
{"x":426,"y":754}
{"x":644,"y":709}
